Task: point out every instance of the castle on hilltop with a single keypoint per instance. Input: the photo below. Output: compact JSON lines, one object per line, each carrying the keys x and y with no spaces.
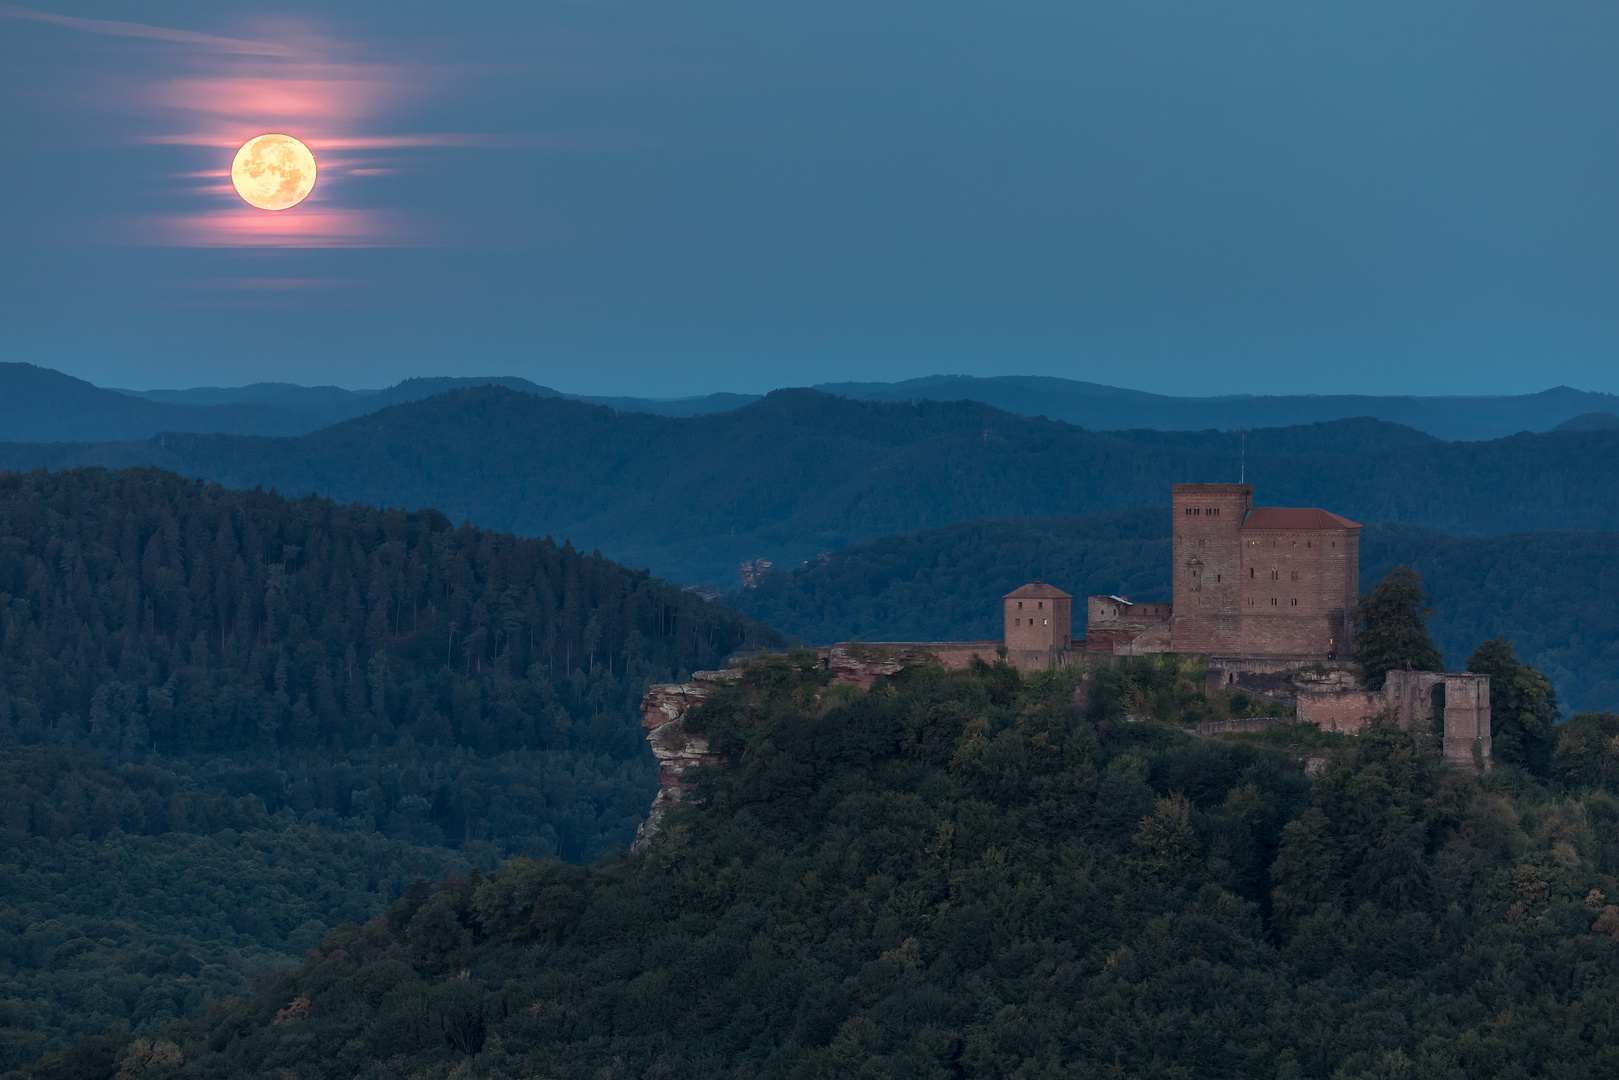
{"x":1265,"y":594}
{"x":1278,"y":583}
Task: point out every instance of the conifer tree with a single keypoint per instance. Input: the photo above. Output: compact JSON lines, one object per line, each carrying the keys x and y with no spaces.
{"x":1523,"y":707}
{"x":1391,"y":629}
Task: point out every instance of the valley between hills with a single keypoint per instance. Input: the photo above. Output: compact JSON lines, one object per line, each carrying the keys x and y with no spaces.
{"x":333,"y":784}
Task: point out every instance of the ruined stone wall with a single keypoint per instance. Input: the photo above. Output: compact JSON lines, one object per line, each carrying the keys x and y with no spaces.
{"x":1467,"y":721}
{"x":1278,"y":679}
{"x":1154,"y":639}
{"x":1344,"y":711}
{"x":1207,"y":562}
{"x":1407,"y":697}
{"x":1114,"y":625}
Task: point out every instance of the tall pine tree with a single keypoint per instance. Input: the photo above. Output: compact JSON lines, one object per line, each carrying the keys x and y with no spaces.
{"x":1391,"y":629}
{"x":1523,"y":707}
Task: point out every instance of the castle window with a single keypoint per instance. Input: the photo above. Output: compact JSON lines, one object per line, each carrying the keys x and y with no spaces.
{"x":1045,"y":622}
{"x":1295,"y":602}
{"x":1200,"y":543}
{"x":1307,"y":543}
{"x":1295,"y":575}
{"x":1250,"y":571}
{"x":1216,"y":579}
{"x":1020,"y":605}
{"x":1040,"y":604}
{"x":1273,"y":601}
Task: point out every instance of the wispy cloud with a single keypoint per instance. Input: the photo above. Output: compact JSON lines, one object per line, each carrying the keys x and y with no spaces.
{"x":297,"y":228}
{"x":332,"y":94}
{"x":154,"y":33}
{"x":280,"y":284}
{"x":357,"y":142}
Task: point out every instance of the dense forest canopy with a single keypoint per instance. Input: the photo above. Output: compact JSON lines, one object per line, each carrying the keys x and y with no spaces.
{"x":381,"y":659}
{"x":969,"y":874}
{"x":257,"y":717}
{"x":800,"y":472}
{"x":1548,"y":592}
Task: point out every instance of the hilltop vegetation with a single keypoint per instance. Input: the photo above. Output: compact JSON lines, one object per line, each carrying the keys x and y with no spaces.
{"x":229,"y":721}
{"x":966,"y":874}
{"x":1548,"y":591}
{"x":801,"y":472}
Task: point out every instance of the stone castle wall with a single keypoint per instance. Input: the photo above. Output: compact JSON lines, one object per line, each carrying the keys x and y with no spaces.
{"x":1407,"y":697}
{"x":1297,"y":588}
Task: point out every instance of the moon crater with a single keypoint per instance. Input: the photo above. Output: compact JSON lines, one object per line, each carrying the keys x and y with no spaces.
{"x":273,"y":172}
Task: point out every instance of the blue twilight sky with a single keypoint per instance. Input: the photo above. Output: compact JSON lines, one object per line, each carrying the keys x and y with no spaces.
{"x":674,"y":198}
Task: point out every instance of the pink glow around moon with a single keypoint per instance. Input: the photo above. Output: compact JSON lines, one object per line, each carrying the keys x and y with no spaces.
{"x":273,"y":172}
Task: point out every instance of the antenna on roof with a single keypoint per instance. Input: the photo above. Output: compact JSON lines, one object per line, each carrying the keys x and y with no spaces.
{"x":1242,"y":476}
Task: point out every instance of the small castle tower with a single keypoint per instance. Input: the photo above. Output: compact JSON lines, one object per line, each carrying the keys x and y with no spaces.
{"x":1038,"y":626}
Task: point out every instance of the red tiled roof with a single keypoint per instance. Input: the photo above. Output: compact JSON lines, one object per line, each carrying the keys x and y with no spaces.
{"x":1290,"y":517}
{"x":1039,"y":590}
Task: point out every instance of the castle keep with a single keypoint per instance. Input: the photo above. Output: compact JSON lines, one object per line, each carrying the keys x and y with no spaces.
{"x":1248,"y":581}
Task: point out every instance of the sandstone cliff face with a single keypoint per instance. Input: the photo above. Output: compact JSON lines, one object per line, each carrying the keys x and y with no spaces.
{"x":663,"y":712}
{"x":665,"y":706}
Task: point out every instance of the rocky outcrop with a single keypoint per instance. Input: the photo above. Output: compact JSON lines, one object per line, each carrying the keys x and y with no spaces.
{"x":666,"y":705}
{"x":663,"y":715}
{"x":860,"y":665}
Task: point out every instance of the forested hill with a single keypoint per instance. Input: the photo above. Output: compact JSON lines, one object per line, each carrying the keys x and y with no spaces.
{"x":803,"y":472}
{"x":968,"y":875}
{"x":145,"y":614}
{"x":230,"y":721}
{"x":1550,"y":591}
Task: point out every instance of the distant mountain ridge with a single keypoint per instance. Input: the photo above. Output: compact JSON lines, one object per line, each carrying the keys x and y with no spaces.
{"x":41,"y":405}
{"x":802,"y":472}
{"x":1109,"y":408}
{"x":333,"y":403}
{"x":47,"y":406}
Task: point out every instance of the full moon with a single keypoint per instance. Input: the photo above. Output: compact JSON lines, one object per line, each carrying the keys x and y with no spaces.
{"x":273,"y":172}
